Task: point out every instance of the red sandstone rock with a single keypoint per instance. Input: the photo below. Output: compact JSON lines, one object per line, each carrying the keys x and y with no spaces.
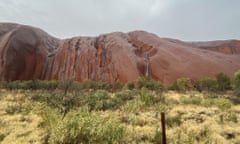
{"x":29,"y":53}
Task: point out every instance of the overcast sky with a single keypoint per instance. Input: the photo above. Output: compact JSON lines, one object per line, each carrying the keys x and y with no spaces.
{"x":180,"y":19}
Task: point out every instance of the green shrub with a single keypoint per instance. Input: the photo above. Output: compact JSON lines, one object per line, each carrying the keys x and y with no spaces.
{"x":158,"y":137}
{"x":95,"y":85}
{"x":31,"y":84}
{"x":133,"y":106}
{"x":204,"y":135}
{"x":48,"y":84}
{"x":206,"y":84}
{"x":101,"y":100}
{"x":237,"y":92}
{"x":147,"y":97}
{"x":221,"y":103}
{"x":125,"y":95}
{"x":232,"y":117}
{"x":224,"y":82}
{"x":186,"y":136}
{"x":237,"y":79}
{"x":196,"y":100}
{"x":88,"y":84}
{"x":173,"y":86}
{"x":82,"y":126}
{"x":14,"y":108}
{"x":12,"y":85}
{"x":181,"y":85}
{"x":3,"y":84}
{"x":236,"y":82}
{"x":18,"y":108}
{"x":58,"y":100}
{"x":130,"y":85}
{"x":116,"y":86}
{"x":154,"y":85}
{"x":172,"y":121}
{"x":149,"y":84}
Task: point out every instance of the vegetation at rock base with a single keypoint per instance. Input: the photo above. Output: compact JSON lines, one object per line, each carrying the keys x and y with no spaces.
{"x":203,"y":111}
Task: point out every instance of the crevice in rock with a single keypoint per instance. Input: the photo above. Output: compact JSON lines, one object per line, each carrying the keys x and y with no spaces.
{"x":44,"y":71}
{"x":103,"y":58}
{"x":96,"y":42}
{"x":51,"y":67}
{"x":77,"y":55}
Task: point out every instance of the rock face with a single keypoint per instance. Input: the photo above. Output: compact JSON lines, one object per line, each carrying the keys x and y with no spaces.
{"x":28,"y":53}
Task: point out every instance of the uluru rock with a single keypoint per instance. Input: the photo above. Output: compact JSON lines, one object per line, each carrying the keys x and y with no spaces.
{"x":28,"y":53}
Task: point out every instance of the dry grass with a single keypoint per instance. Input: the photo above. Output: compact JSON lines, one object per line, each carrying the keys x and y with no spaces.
{"x":18,"y":128}
{"x":198,"y":123}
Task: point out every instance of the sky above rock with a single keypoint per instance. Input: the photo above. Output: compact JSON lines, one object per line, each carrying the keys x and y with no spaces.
{"x":181,"y":19}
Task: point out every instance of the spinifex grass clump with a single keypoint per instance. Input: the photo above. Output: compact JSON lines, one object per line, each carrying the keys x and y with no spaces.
{"x":81,"y":126}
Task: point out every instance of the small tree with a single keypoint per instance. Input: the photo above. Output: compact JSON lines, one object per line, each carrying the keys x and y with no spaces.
{"x":130,"y":85}
{"x":181,"y":85}
{"x":206,"y":84}
{"x":237,"y":79}
{"x":149,"y":84}
{"x":223,"y":81}
{"x":116,"y":86}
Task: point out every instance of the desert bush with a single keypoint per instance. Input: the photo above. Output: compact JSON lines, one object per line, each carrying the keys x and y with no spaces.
{"x":82,"y":126}
{"x":58,"y":100}
{"x":232,"y":116}
{"x":15,"y":108}
{"x":116,"y":86}
{"x":237,"y":79}
{"x":181,"y":85}
{"x":141,"y":81}
{"x":206,"y":84}
{"x":133,"y":106}
{"x":47,"y":84}
{"x":133,"y":119}
{"x":101,"y":100}
{"x":130,"y":85}
{"x":237,"y":92}
{"x":149,"y":84}
{"x":228,"y":116}
{"x":13,"y":85}
{"x":103,"y":85}
{"x":158,"y":137}
{"x":172,"y":121}
{"x":196,"y":100}
{"x":125,"y":95}
{"x":211,"y":95}
{"x":95,"y":85}
{"x":236,"y":82}
{"x":221,"y":103}
{"x":147,"y":97}
{"x":3,"y":85}
{"x":88,"y":84}
{"x":203,"y":135}
{"x":31,"y":84}
{"x":151,"y":98}
{"x":192,"y":135}
{"x":154,"y":85}
{"x":224,"y":82}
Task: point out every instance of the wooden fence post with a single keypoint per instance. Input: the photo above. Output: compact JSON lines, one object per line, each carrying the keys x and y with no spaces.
{"x":163,"y":128}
